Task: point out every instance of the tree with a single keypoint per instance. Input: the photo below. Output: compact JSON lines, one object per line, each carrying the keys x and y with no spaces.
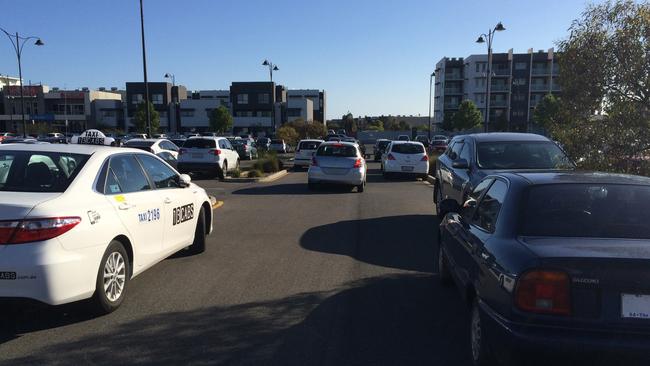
{"x":221,"y":120}
{"x":314,"y":130}
{"x":467,"y":117}
{"x":403,"y":126}
{"x":391,"y":124}
{"x":500,"y":124}
{"x":350,"y":124}
{"x":448,"y":122}
{"x":547,"y":112}
{"x":288,"y":134}
{"x":375,"y":125}
{"x":604,"y":65}
{"x":140,"y":119}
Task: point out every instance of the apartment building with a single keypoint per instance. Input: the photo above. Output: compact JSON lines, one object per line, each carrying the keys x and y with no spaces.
{"x":297,"y":107}
{"x":165,"y":98}
{"x":196,"y":109}
{"x":518,"y":83}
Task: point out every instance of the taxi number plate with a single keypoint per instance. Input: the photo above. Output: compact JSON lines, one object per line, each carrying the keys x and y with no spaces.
{"x":197,"y":156}
{"x":7,"y":275}
{"x":635,"y":306}
{"x":407,"y":168}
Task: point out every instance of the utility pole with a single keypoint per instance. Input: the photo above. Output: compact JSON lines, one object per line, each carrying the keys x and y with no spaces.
{"x":144,"y":67}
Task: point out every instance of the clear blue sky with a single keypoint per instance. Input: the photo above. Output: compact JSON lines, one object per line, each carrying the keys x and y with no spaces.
{"x":371,"y":56}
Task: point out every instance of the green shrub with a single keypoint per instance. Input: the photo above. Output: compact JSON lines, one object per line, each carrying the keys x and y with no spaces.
{"x":236,"y":174}
{"x":269,"y":164}
{"x":254,"y":173}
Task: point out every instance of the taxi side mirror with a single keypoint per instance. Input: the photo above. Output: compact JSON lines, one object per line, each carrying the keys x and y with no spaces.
{"x":460,"y":164}
{"x":184,"y":180}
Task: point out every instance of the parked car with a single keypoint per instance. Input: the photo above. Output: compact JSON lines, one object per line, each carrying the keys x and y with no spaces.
{"x":209,"y":134}
{"x":469,"y":158}
{"x":154,"y":146}
{"x":380,"y":148}
{"x":439,"y":145}
{"x":361,"y":146}
{"x":279,"y":146}
{"x":305,"y":151}
{"x":337,"y":163}
{"x":178,"y":141}
{"x":159,"y":136}
{"x":551,"y":262}
{"x":424,"y":139}
{"x":263,"y":143}
{"x":407,"y":158}
{"x":245,"y":148}
{"x":403,"y":138}
{"x":23,"y":140}
{"x":7,"y":135}
{"x":440,"y":138}
{"x":208,"y":155}
{"x":341,"y":132}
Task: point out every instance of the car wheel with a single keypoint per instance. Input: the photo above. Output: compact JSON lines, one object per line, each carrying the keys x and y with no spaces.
{"x":361,"y":187}
{"x":443,"y":270}
{"x":481,"y":353}
{"x":223,"y":172}
{"x":438,"y":193}
{"x":198,"y":245}
{"x":112,"y":278}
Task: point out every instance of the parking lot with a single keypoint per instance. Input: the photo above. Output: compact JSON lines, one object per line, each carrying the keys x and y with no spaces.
{"x":289,"y":277}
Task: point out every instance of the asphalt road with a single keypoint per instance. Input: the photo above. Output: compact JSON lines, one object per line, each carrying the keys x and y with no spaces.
{"x":290,"y":277}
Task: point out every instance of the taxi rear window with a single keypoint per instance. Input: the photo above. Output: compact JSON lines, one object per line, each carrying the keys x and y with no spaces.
{"x":38,"y":171}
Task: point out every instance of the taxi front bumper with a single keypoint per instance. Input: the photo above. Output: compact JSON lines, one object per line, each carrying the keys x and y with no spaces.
{"x":46,"y":272}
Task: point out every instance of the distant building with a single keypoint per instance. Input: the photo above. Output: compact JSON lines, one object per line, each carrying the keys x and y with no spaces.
{"x":518,"y":82}
{"x":165,"y":99}
{"x":257,"y":107}
{"x":295,"y":108}
{"x":195,"y":111}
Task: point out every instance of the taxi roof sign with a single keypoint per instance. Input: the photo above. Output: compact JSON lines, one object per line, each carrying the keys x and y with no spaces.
{"x":93,"y":137}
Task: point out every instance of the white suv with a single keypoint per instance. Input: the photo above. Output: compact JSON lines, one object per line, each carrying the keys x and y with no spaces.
{"x":207,"y":154}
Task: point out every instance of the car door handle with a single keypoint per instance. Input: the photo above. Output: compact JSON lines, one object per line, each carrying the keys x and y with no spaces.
{"x":167,"y":200}
{"x":125,"y":206}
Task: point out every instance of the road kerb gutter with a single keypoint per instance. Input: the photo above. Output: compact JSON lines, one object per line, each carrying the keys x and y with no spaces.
{"x":431,"y":180}
{"x":273,"y":177}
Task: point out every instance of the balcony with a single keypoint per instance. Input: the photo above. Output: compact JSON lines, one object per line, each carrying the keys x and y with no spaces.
{"x":451,"y":105}
{"x":541,"y":71}
{"x":501,"y":72}
{"x":453,"y":91}
{"x":499,"y":88}
{"x":539,"y":87}
{"x":498,"y":103}
{"x":556,"y":88}
{"x":453,"y":76}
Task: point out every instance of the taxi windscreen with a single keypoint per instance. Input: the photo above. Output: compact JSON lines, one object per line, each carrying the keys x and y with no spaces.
{"x":38,"y":171}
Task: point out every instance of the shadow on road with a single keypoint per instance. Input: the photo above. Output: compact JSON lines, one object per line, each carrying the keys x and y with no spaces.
{"x":391,"y":320}
{"x":405,"y":242}
{"x":292,"y":189}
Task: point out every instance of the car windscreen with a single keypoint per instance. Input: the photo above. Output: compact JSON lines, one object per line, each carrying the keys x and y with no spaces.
{"x":586,"y":210}
{"x":521,"y":155}
{"x":37,"y":171}
{"x":383,"y":144}
{"x":408,"y":149}
{"x":200,"y":143}
{"x":309,"y":145}
{"x":138,"y":143}
{"x":337,"y":150}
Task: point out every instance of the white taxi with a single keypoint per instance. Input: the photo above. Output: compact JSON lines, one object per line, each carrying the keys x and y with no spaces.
{"x":79,"y":221}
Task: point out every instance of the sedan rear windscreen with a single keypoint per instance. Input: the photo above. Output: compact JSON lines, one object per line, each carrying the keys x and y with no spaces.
{"x":522,"y":155}
{"x":37,"y":171}
{"x":408,"y":149}
{"x":200,"y":143}
{"x":337,"y":150}
{"x":138,"y":143}
{"x":309,"y":145}
{"x":586,"y":210}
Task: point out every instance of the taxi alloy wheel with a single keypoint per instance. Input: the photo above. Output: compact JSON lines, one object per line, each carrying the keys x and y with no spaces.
{"x":112,"y":278}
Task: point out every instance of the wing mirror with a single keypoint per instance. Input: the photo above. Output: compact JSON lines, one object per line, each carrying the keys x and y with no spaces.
{"x":469,"y":204}
{"x":460,"y":164}
{"x":449,"y":205}
{"x":184,"y":180}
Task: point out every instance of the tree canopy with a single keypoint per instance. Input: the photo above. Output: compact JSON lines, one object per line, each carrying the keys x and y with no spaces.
{"x":140,"y":118}
{"x":221,"y":120}
{"x":467,"y":117}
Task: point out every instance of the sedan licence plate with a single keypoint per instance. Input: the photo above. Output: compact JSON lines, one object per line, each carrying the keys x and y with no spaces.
{"x":197,"y":156}
{"x":635,"y":306}
{"x":407,"y":168}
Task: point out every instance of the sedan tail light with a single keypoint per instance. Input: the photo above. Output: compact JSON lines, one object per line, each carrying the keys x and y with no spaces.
{"x":215,"y":152}
{"x":425,"y":158}
{"x":542,"y":291}
{"x":313,"y":161}
{"x":25,"y":231}
{"x":358,"y":163}
{"x":390,"y":157}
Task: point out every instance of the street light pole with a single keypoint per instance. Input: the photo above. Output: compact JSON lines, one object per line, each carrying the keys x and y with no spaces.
{"x":430,"y":91}
{"x":175,"y":101}
{"x":144,"y":67}
{"x":488,"y":77}
{"x":272,"y":67}
{"x":18,"y":48}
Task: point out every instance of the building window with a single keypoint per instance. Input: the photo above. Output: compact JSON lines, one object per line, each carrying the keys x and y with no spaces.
{"x":264,"y":98}
{"x":162,"y":114}
{"x":293,"y":112}
{"x":242,"y":98}
{"x":244,"y":114}
{"x":136,"y":98}
{"x":519,"y":81}
{"x":108,"y":114}
{"x":519,"y":97}
{"x":187,"y":112}
{"x":157,"y":99}
{"x":521,"y":65}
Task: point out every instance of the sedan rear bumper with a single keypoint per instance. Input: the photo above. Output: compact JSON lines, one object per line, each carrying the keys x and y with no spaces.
{"x":516,"y":340}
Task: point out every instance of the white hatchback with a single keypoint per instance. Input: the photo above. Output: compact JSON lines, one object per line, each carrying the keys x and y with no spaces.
{"x":79,"y":221}
{"x":154,"y":146}
{"x":207,"y":154}
{"x":304,"y":152}
{"x":405,"y":158}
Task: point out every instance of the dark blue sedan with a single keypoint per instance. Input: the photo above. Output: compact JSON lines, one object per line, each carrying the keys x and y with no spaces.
{"x":557,"y":262}
{"x":470,"y":158}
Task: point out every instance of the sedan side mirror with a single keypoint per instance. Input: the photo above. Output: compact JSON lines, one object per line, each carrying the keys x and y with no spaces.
{"x":449,"y":205}
{"x":460,"y":164}
{"x":184,"y":180}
